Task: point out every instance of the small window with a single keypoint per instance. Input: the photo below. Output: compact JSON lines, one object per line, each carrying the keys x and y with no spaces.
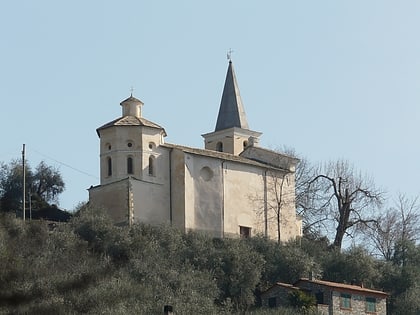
{"x":109,"y":164}
{"x":151,"y":165}
{"x":130,"y":168}
{"x":129,"y":144}
{"x":219,"y":146}
{"x":345,"y":300}
{"x":272,"y":302}
{"x":319,"y":297}
{"x":244,"y":231}
{"x":151,"y":145}
{"x":370,"y":305}
{"x":245,"y":144}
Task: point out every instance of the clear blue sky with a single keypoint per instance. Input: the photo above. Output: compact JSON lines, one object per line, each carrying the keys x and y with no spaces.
{"x":332,"y":79}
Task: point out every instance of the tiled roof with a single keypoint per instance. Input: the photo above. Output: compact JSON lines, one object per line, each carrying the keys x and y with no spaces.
{"x":342,"y":286}
{"x":275,"y":152}
{"x":286,"y":286}
{"x":131,"y":121}
{"x":222,"y":155}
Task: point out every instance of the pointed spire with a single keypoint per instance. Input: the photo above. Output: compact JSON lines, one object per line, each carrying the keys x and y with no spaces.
{"x":231,"y":111}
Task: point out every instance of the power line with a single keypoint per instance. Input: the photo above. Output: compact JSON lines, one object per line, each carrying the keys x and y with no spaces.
{"x":64,"y":164}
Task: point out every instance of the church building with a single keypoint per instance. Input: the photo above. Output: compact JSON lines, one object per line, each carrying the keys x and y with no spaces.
{"x":231,"y":188}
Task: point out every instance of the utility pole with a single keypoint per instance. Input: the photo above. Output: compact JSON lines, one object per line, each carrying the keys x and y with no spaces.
{"x":24,"y":181}
{"x":30,"y":204}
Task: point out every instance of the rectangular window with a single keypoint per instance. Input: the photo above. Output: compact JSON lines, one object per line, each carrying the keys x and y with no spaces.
{"x":370,"y":305}
{"x":109,"y":162}
{"x":244,"y":231}
{"x":345,"y":300}
{"x":130,"y":165}
{"x":151,"y":165}
{"x":319,"y":297}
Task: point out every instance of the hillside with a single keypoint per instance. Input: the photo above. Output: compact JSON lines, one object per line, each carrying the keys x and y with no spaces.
{"x":90,"y":266}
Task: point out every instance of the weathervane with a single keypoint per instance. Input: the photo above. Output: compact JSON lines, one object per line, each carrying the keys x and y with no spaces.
{"x":229,"y":54}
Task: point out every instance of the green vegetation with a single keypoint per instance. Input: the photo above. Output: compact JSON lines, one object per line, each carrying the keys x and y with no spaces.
{"x":43,"y":186}
{"x":302,"y":301}
{"x":90,"y":266}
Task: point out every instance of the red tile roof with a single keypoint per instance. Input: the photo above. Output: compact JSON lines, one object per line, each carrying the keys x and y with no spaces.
{"x":342,"y":287}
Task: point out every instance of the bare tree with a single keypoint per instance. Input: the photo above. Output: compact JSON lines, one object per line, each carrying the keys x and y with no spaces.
{"x":279,"y":199}
{"x":276,"y":204}
{"x":304,"y":173}
{"x":340,"y":195}
{"x":399,"y":224}
{"x":382,"y":234}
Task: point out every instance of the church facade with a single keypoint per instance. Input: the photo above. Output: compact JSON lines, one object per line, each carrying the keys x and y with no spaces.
{"x":231,"y":188}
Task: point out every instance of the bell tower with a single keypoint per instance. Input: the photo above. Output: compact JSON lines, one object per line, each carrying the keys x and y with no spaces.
{"x":231,"y":134}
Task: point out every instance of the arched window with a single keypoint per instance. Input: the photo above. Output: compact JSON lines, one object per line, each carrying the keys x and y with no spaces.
{"x":245,"y":144}
{"x":151,"y":165}
{"x":219,"y":146}
{"x":109,"y":164}
{"x":130,"y":168}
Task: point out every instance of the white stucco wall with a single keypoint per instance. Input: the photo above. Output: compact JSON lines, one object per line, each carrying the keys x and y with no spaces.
{"x":281,"y":189}
{"x":177,"y":188}
{"x":114,"y":144}
{"x":203,"y":194}
{"x":113,"y":198}
{"x":151,"y":202}
{"x":221,"y":196}
{"x":243,"y":186}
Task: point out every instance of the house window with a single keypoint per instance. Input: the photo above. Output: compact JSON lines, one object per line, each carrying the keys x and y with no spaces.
{"x":319,"y":297}
{"x":272,"y":302}
{"x":370,"y":305}
{"x":130,"y":168}
{"x":345,"y":300}
{"x":219,"y":146}
{"x":109,"y":164}
{"x":244,"y":231}
{"x":151,"y":165}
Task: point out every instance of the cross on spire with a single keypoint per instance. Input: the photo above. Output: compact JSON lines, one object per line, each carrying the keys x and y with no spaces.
{"x":131,"y":90}
{"x":229,"y":54}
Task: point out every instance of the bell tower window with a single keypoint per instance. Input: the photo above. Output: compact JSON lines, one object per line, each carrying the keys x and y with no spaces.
{"x":152,"y":165}
{"x":219,"y":146}
{"x":109,"y":165}
{"x":130,"y":168}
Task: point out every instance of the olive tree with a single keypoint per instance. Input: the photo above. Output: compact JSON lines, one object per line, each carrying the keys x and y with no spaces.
{"x":45,"y":184}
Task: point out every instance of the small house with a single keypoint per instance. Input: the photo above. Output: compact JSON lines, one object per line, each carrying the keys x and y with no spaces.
{"x":332,"y":298}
